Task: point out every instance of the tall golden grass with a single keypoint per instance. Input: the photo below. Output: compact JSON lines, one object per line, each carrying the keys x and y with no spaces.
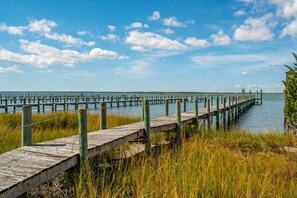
{"x":212,"y":164}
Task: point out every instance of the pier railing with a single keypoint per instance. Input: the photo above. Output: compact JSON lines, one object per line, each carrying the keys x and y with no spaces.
{"x":43,"y":103}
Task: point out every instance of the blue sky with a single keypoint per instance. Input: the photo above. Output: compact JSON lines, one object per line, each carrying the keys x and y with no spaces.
{"x":138,"y":45}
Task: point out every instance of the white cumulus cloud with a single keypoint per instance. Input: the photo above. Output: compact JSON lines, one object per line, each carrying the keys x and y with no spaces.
{"x":136,"y":25}
{"x":220,"y":38}
{"x":167,"y":31}
{"x":239,"y":13}
{"x":290,"y":29}
{"x":110,"y":37}
{"x":41,"y":26}
{"x":111,"y":28}
{"x":138,"y":48}
{"x":255,"y":29}
{"x":81,"y":33}
{"x":13,"y":69}
{"x":14,"y":30}
{"x":40,"y":55}
{"x":285,"y":8}
{"x":196,"y":42}
{"x":172,"y":21}
{"x":44,"y":27}
{"x":155,"y":16}
{"x":153,"y":41}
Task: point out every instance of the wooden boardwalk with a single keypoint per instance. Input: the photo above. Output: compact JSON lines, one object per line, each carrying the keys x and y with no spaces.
{"x":11,"y":105}
{"x":29,"y":166}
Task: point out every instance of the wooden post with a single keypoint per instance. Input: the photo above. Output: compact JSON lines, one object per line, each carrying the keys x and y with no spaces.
{"x":218,"y":114}
{"x":29,"y":99}
{"x":208,"y":113}
{"x":142,"y":110}
{"x":111,"y":100}
{"x":229,"y":111}
{"x":102,"y":115}
{"x":211,"y":101}
{"x":184,"y":105}
{"x":64,"y":103}
{"x":53,"y":108}
{"x":196,"y":110}
{"x":224,"y":113}
{"x":147,"y":127}
{"x":232,"y":108}
{"x":26,"y":125}
{"x":83,"y":137}
{"x":166,"y":111}
{"x":87,"y":102}
{"x":261,"y":97}
{"x":236,"y":108}
{"x":178,"y":121}
{"x":6,"y":107}
{"x":38,"y":105}
{"x":95,"y":102}
{"x":205,"y":102}
{"x":75,"y":103}
{"x":239,"y":106}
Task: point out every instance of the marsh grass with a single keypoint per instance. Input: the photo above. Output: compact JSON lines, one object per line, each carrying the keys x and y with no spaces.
{"x":52,"y":126}
{"x":209,"y":164}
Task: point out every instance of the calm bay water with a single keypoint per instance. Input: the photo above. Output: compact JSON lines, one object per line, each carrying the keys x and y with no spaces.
{"x":268,"y":116}
{"x":260,"y":118}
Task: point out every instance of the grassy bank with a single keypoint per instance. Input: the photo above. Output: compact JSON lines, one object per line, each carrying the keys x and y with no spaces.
{"x":210,"y":164}
{"x":51,"y":126}
{"x":213,"y":164}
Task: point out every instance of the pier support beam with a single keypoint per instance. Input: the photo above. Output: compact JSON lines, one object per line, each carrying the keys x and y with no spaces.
{"x":208,"y":112}
{"x":224,"y":113}
{"x":83,"y":137}
{"x":6,"y":107}
{"x":26,"y":125}
{"x":178,"y":121}
{"x":102,"y":115}
{"x":218,"y":113}
{"x":184,"y":104}
{"x":147,"y":132}
{"x":196,"y":110}
{"x":166,"y":112}
{"x":229,"y":111}
{"x":261,"y":97}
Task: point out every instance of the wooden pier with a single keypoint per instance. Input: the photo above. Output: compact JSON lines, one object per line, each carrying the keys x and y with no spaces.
{"x":10,"y":104}
{"x":30,"y":166}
